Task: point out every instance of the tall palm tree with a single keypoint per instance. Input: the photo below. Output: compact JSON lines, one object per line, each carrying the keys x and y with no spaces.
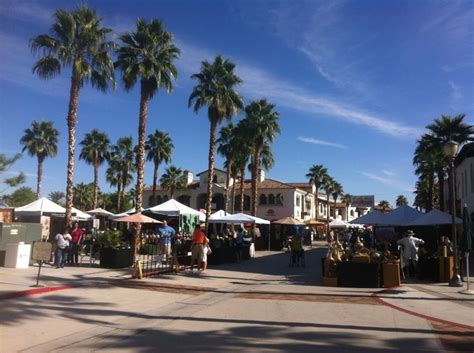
{"x":123,"y":156}
{"x":347,"y":199}
{"x":328,"y":186}
{"x":95,"y":150}
{"x":316,"y":175}
{"x":261,"y":123}
{"x":226,"y":149}
{"x":384,"y":205}
{"x":40,"y":140}
{"x":173,"y":178}
{"x":84,"y":196}
{"x":113,"y":177}
{"x":241,"y":154}
{"x":146,"y":55}
{"x":159,"y":148}
{"x":215,"y":89}
{"x":336,"y":192}
{"x":79,"y":41}
{"x":401,"y":201}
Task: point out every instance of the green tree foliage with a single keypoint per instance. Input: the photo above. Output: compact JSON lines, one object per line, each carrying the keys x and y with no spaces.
{"x":57,"y":197}
{"x":173,"y":178}
{"x":401,"y":201}
{"x":20,"y":197}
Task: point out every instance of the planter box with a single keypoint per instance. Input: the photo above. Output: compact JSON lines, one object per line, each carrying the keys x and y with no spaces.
{"x":115,"y":258}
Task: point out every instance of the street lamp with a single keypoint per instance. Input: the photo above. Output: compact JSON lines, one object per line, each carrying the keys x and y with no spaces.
{"x":449,"y":150}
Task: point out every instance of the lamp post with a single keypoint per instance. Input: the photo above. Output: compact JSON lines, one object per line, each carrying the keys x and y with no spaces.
{"x":450,"y":149}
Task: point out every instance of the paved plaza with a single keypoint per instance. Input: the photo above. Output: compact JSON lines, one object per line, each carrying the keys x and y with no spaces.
{"x":260,"y":305}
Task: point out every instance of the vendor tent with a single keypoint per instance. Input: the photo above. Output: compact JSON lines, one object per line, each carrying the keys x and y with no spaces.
{"x":137,"y":218}
{"x":233,"y":218}
{"x":219,"y":214}
{"x":99,"y":212}
{"x":175,"y":208}
{"x":40,"y":207}
{"x":288,"y":221}
{"x":337,"y":224}
{"x":259,"y":220}
{"x":126,"y":213}
{"x":401,"y":216}
{"x":79,"y":215}
{"x":374,"y":217}
{"x":433,"y":218}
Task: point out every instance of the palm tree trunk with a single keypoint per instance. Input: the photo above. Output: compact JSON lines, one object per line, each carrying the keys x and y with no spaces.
{"x":212,"y":148}
{"x":316,"y":201}
{"x":335,"y":200}
{"x":71,"y":125}
{"x":429,"y":206}
{"x":155,"y":177}
{"x":119,"y":191}
{"x":227,"y":183}
{"x":255,"y":167}
{"x":327,"y":214}
{"x":144,"y":99}
{"x":96,"y":179}
{"x":39,"y":177}
{"x":233,"y":195}
{"x":242,"y":181}
{"x":441,"y":189}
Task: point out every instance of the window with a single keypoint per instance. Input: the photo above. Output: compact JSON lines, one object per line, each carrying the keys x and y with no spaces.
{"x":165,"y":198}
{"x":246,"y":203}
{"x":214,"y":179}
{"x":352,"y":213}
{"x":159,"y":199}
{"x":271,"y":199}
{"x":279,"y":199}
{"x":263,"y":199}
{"x":298,"y":201}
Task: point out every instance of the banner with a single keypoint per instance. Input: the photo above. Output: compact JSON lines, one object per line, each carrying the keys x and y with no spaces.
{"x":363,"y":201}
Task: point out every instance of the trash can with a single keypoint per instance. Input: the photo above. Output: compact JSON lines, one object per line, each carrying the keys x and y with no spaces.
{"x":17,"y":255}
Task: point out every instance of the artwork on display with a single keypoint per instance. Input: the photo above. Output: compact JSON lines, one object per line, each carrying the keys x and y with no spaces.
{"x":45,"y":226}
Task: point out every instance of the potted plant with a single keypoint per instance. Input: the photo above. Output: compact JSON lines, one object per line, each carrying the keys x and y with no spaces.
{"x":114,"y":252}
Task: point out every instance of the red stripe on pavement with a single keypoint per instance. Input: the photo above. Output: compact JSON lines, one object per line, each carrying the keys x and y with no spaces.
{"x":413,"y":313}
{"x":32,"y":292}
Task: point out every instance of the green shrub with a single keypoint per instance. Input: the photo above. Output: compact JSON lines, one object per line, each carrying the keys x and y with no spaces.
{"x":111,"y":239}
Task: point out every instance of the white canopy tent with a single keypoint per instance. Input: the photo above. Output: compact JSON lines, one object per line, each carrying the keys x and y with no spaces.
{"x":238,"y":218}
{"x":219,"y":214}
{"x":337,"y":223}
{"x":435,"y":217}
{"x":40,"y":207}
{"x":175,"y":208}
{"x":79,"y":215}
{"x":126,"y":213}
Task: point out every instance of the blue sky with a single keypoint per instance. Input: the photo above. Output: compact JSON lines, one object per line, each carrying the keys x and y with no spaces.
{"x":355,"y":82}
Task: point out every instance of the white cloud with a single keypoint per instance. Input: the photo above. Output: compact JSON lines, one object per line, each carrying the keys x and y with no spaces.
{"x":456,"y":93}
{"x":387,"y":172}
{"x":26,"y":11}
{"x":320,"y":142}
{"x":388,"y":181}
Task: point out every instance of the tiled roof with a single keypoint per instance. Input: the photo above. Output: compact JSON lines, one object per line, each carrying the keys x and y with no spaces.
{"x":266,"y":184}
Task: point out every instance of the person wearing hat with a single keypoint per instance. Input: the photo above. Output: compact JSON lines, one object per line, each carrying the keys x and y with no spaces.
{"x":409,"y":252}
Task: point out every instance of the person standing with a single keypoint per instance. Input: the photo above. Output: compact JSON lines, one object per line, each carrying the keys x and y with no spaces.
{"x":409,"y":251}
{"x":76,"y":239}
{"x":197,"y":247}
{"x":62,"y":244}
{"x":239,"y":244}
{"x":166,"y":236}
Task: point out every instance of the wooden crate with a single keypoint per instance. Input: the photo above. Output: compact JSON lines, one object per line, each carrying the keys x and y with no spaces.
{"x":391,"y":275}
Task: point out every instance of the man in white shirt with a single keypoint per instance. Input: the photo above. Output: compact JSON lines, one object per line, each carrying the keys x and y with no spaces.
{"x":62,"y":244}
{"x":409,"y":252}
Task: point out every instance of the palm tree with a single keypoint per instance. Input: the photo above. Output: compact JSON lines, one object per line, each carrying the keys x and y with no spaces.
{"x":159,"y":148}
{"x":336,"y":192}
{"x":95,"y":148}
{"x":78,"y":41}
{"x":123,"y":156}
{"x":384,"y":205}
{"x":347,"y":199}
{"x":40,"y":140}
{"x":316,"y":175}
{"x":113,"y":177}
{"x":328,"y":186}
{"x":84,"y":196}
{"x":215,"y":89}
{"x":261,"y":123}
{"x":57,"y":196}
{"x":241,"y":154}
{"x":401,"y":201}
{"x":226,"y":149}
{"x":173,"y":178}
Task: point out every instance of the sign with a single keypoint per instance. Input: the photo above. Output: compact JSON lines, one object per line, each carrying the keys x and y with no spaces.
{"x":363,"y":201}
{"x":13,"y":231}
{"x":41,"y":251}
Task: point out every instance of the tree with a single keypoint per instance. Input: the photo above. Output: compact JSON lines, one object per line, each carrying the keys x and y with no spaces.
{"x":57,"y":196}
{"x":328,"y":186}
{"x":401,"y":201}
{"x":215,"y":89}
{"x":146,"y":55}
{"x":95,"y":149}
{"x":121,"y":164}
{"x":5,"y":164}
{"x":41,"y":141}
{"x":316,"y":175}
{"x":84,"y":196}
{"x":79,"y":41}
{"x":347,"y":199}
{"x":20,"y":197}
{"x":113,"y":177}
{"x":261,"y":124}
{"x":173,"y":178}
{"x":226,"y":149}
{"x":159,"y":148}
{"x":336,"y":192}
{"x":384,"y":205}
{"x":242,"y":151}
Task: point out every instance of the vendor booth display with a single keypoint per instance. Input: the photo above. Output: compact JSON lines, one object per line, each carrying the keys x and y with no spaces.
{"x":187,"y":216}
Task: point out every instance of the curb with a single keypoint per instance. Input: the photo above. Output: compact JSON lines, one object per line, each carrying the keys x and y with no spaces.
{"x":413,"y":313}
{"x":32,"y":292}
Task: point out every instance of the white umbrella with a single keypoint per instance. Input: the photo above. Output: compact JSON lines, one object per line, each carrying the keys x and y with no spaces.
{"x":99,"y":212}
{"x":337,"y":224}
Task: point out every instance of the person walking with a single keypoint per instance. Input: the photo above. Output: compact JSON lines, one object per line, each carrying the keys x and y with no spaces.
{"x":76,"y":239}
{"x":197,"y":246}
{"x":409,"y":252}
{"x":62,"y":246}
{"x":166,"y":236}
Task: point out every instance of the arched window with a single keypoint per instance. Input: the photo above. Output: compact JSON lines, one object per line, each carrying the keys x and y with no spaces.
{"x":185,"y":200}
{"x":263,"y":199}
{"x":214,"y":179}
{"x":271,"y":199}
{"x":151,"y":202}
{"x":159,"y":200}
{"x":246,"y":203}
{"x":279,"y":199}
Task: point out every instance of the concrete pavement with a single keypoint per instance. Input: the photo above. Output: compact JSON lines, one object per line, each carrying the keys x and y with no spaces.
{"x":261,"y":305}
